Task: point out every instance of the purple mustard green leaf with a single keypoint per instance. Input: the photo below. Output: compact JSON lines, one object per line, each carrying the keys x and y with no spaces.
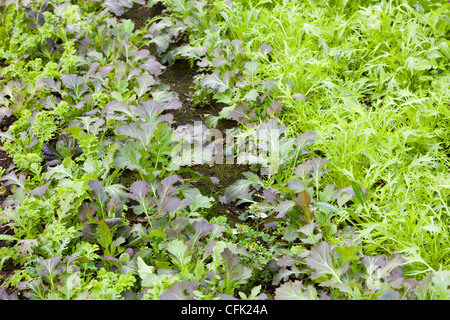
{"x":145,"y":82}
{"x":183,"y":290}
{"x":286,"y":261}
{"x":44,"y":6}
{"x":50,"y":102}
{"x":235,"y":273}
{"x":114,"y":261}
{"x":72,"y":81}
{"x":5,"y":296}
{"x":139,"y":54}
{"x":89,"y":232}
{"x":297,"y":185}
{"x":86,"y":210}
{"x":218,"y":62}
{"x":167,"y":204}
{"x":37,"y":290}
{"x":41,"y":19}
{"x":295,"y":291}
{"x":40,"y":191}
{"x":97,"y":192}
{"x":270,"y":195}
{"x":284,"y":207}
{"x":306,"y":139}
{"x":115,"y":207}
{"x":166,"y":188}
{"x":310,"y":236}
{"x":34,"y":141}
{"x":304,"y":170}
{"x":265,"y":48}
{"x":117,"y":6}
{"x":275,"y":107}
{"x":153,"y":66}
{"x":237,"y":44}
{"x":139,"y":190}
{"x":104,"y":71}
{"x":215,"y":81}
{"x":116,"y":106}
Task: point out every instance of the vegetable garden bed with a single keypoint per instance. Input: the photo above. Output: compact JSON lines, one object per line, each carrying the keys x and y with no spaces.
{"x":152,"y":150}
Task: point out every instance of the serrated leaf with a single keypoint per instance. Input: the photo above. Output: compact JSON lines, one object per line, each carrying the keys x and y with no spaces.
{"x":215,"y":82}
{"x":97,"y":192}
{"x":11,"y":179}
{"x":320,"y":259}
{"x":238,"y":189}
{"x":295,"y":291}
{"x":201,"y":201}
{"x":127,"y":157}
{"x":290,"y":233}
{"x":149,"y":110}
{"x":202,"y":228}
{"x":145,"y":81}
{"x":303,"y":200}
{"x":180,"y":253}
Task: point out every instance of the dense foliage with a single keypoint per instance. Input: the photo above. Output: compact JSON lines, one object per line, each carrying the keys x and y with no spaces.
{"x":351,"y":200}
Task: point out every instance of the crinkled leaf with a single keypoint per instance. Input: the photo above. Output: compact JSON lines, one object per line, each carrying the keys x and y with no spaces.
{"x":321,"y":258}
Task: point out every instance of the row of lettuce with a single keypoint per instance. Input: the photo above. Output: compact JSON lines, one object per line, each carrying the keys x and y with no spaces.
{"x":97,"y":208}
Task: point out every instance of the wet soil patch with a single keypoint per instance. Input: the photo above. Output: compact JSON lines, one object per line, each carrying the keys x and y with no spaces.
{"x":141,"y":13}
